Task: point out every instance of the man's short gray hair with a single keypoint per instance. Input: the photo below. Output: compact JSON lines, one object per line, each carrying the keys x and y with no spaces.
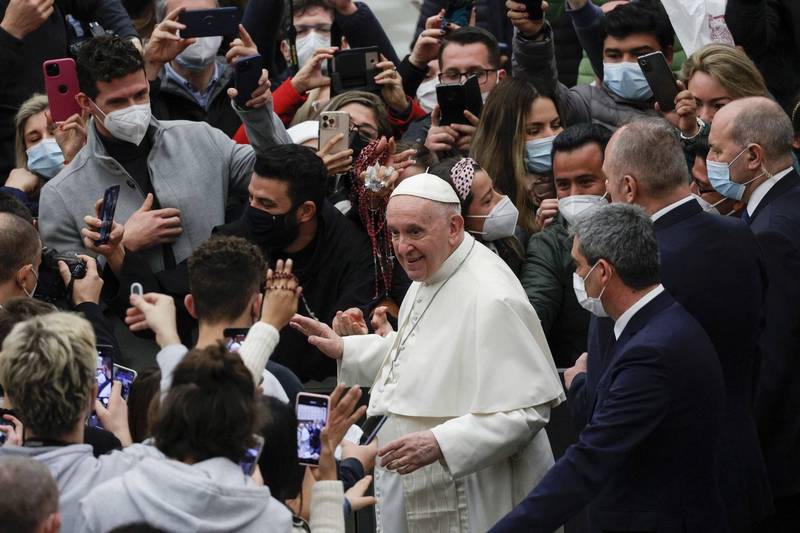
{"x":623,"y":235}
{"x":761,"y":121}
{"x":650,"y":150}
{"x":30,"y":494}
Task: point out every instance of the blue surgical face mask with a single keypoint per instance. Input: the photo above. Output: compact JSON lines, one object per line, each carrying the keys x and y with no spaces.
{"x":719,"y":175}
{"x":538,"y":154}
{"x":627,"y":81}
{"x":45,"y":158}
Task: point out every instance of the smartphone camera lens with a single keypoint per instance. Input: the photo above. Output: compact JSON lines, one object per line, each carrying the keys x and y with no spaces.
{"x":645,"y":66}
{"x":52,"y":69}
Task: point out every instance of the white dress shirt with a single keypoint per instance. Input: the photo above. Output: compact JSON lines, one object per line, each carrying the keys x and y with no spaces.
{"x":624,"y":318}
{"x":762,"y":190}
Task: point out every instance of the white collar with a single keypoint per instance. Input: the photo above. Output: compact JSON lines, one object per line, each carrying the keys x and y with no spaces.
{"x":664,"y":210}
{"x":762,"y":190}
{"x":622,"y":321}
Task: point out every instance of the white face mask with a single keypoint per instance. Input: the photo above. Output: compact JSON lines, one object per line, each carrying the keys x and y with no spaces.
{"x":129,"y":124}
{"x":36,"y":284}
{"x":426,"y":94}
{"x":579,"y":206}
{"x":592,"y":304}
{"x":198,"y":55}
{"x":501,"y":222}
{"x":308,"y":44}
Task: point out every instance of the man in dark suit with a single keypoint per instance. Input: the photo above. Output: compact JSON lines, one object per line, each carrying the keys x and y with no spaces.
{"x":713,"y":267}
{"x":752,"y":137}
{"x":646,"y":459}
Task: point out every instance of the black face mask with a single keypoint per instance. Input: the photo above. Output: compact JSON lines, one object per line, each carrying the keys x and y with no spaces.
{"x":358,"y":142}
{"x":273,"y":232}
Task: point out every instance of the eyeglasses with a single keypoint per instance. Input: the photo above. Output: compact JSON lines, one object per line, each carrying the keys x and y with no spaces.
{"x":454,"y":76}
{"x":364,"y":129}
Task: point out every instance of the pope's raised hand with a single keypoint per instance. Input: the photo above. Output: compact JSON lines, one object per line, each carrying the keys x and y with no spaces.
{"x":319,"y":335}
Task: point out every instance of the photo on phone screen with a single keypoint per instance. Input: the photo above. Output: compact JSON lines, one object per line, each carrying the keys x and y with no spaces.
{"x":107,"y":211}
{"x":312,"y":415}
{"x":251,"y":455}
{"x":104,"y":374}
{"x":126,"y":376}
{"x":234,"y":337}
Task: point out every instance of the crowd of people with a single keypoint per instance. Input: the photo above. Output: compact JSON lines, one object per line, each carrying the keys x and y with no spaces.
{"x":568,"y":246}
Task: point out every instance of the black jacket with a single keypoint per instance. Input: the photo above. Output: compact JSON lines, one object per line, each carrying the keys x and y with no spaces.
{"x":336,"y":274}
{"x":776,"y":225}
{"x":170,"y":101}
{"x":21,"y":60}
{"x":769,"y":31}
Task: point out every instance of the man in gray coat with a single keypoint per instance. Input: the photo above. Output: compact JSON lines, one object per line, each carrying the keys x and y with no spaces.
{"x":175,"y":177}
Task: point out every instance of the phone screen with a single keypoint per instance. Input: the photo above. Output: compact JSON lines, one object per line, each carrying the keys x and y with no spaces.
{"x":107,"y":213}
{"x":251,"y":455}
{"x":234,"y":337}
{"x":104,"y":374}
{"x":312,"y":415}
{"x":458,"y":12}
{"x":126,"y":377}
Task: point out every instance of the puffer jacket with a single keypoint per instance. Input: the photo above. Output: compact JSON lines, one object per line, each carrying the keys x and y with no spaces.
{"x":547,"y":279}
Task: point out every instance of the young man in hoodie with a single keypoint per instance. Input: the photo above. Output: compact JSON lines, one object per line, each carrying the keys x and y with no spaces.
{"x":204,"y":427}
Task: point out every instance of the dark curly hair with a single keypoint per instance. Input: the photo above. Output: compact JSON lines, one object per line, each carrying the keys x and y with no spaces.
{"x":105,"y":59}
{"x":224,"y":274}
{"x":211,"y":410}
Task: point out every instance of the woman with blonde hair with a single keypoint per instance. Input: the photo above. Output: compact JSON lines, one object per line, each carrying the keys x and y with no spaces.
{"x":718,"y":74}
{"x":41,"y":149}
{"x":513,"y":144}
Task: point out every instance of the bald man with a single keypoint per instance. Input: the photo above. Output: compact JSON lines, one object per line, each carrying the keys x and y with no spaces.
{"x":467,"y":382}
{"x":750,"y":159}
{"x":713,"y":267}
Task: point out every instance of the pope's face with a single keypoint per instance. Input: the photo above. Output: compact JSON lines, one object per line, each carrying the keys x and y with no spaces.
{"x":424,"y":234}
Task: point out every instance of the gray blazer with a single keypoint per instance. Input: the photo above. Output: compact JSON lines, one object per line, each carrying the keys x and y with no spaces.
{"x":193,"y":167}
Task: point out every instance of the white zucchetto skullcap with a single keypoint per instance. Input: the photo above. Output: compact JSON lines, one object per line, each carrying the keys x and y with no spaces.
{"x":427,"y":186}
{"x":305,"y":131}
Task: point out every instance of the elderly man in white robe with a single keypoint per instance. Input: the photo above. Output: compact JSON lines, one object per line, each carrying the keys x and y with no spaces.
{"x":467,"y":381}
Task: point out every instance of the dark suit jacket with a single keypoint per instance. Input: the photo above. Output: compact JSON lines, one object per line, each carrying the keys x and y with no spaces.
{"x":336,"y":273}
{"x":776,"y":225}
{"x":646,"y":461}
{"x":713,"y":267}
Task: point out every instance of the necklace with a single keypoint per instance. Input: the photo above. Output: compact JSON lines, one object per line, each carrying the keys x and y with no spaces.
{"x":400,"y":341}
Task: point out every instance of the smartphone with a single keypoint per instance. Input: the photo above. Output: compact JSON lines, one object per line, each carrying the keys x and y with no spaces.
{"x":107,"y":214}
{"x":4,"y":422}
{"x":210,"y":22}
{"x":251,"y":455}
{"x":104,"y":374}
{"x":371,"y":428}
{"x":354,"y":69}
{"x":456,"y":98}
{"x":246,"y":73}
{"x":534,"y":9}
{"x":234,"y":337}
{"x":126,"y":376}
{"x":61,"y":86}
{"x":661,"y":79}
{"x":332,"y":123}
{"x":457,"y":12}
{"x":312,"y":415}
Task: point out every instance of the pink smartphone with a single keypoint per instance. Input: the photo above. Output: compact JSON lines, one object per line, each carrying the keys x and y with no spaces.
{"x":61,"y":85}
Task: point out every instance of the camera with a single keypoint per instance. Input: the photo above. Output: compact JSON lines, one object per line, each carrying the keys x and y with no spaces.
{"x":50,"y":287}
{"x":52,"y":69}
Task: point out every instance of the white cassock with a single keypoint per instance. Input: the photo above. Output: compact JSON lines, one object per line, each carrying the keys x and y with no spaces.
{"x":470,"y":362}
